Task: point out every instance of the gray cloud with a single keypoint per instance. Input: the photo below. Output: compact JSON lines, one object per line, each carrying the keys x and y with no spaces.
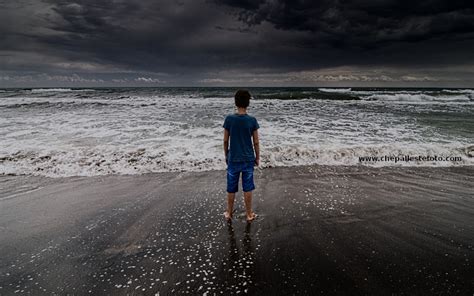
{"x":199,"y":42}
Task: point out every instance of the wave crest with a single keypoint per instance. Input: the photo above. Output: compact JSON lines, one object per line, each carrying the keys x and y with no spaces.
{"x":142,"y":160}
{"x":417,"y":98}
{"x":335,"y":90}
{"x":50,"y":90}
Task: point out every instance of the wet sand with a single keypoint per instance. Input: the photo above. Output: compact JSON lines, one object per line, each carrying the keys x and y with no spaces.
{"x":320,"y":230}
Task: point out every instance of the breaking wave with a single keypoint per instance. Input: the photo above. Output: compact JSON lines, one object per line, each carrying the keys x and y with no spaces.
{"x":417,"y":98}
{"x":146,"y":160}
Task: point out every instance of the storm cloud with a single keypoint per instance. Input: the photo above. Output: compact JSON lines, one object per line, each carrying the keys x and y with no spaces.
{"x":272,"y":42}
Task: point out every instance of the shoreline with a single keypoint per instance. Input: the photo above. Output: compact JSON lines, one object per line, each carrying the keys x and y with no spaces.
{"x":260,"y":168}
{"x":345,"y":230}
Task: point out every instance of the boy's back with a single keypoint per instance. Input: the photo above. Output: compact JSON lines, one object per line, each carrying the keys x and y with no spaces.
{"x":241,"y":128}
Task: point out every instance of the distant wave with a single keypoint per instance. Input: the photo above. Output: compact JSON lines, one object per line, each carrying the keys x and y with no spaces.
{"x":416,"y":98}
{"x":144,"y":160}
{"x":41,"y":90}
{"x":48,"y":90}
{"x":300,"y":95}
{"x":48,"y":104}
{"x":335,"y":90}
{"x":457,"y":91}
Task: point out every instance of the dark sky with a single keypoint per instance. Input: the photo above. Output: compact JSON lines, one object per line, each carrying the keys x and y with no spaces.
{"x":227,"y":42}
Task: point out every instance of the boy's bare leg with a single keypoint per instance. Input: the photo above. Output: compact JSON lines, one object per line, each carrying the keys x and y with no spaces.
{"x":248,"y":205}
{"x":230,"y":205}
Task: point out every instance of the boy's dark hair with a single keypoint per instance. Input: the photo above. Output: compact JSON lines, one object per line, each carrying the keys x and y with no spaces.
{"x":242,"y":98}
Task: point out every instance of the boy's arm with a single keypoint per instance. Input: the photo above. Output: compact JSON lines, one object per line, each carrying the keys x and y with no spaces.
{"x":226,"y":143}
{"x":256,"y":147}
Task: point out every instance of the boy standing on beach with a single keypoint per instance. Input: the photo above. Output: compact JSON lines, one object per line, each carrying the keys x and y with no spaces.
{"x":241,"y":128}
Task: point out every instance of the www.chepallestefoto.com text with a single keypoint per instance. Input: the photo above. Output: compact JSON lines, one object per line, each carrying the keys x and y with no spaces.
{"x":407,"y":158}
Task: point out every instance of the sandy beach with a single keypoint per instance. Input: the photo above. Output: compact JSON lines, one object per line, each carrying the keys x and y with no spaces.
{"x":321,"y":230}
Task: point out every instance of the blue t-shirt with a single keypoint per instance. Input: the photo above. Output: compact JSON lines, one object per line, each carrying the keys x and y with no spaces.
{"x":240,"y":127}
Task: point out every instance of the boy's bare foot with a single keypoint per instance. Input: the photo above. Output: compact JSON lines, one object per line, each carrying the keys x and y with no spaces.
{"x":251,"y":217}
{"x":227,"y":216}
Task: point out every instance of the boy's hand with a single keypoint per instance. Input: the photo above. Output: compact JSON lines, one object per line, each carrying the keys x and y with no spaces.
{"x":257,"y":161}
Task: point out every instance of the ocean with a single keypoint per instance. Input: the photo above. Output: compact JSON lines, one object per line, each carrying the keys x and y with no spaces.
{"x":99,"y":131}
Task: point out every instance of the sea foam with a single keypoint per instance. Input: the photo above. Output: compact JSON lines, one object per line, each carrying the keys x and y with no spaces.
{"x":136,"y":131}
{"x":85,"y":162}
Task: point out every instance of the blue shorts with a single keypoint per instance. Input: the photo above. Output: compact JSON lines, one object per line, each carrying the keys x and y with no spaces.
{"x":233,"y":173}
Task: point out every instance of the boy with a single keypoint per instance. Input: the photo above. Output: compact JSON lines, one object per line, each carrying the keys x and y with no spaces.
{"x":241,"y":128}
